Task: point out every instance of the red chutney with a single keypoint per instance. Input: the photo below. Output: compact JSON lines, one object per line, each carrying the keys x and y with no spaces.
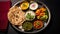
{"x":38,"y":24}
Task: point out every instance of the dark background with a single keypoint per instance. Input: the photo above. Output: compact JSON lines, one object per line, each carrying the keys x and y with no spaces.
{"x":54,"y":25}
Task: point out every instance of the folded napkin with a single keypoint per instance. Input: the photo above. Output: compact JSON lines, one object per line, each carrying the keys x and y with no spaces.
{"x":4,"y":8}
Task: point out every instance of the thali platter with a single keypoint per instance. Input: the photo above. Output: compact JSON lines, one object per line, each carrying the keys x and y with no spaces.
{"x":29,"y":16}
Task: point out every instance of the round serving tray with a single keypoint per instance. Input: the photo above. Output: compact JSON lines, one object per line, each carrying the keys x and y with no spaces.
{"x":45,"y":25}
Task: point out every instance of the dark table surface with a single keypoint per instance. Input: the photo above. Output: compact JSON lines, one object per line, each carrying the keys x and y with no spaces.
{"x":53,"y":27}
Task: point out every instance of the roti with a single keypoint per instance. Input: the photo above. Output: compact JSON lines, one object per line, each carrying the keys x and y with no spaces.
{"x":16,"y":16}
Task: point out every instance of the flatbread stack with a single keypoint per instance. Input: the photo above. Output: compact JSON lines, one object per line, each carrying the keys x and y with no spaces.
{"x":16,"y":16}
